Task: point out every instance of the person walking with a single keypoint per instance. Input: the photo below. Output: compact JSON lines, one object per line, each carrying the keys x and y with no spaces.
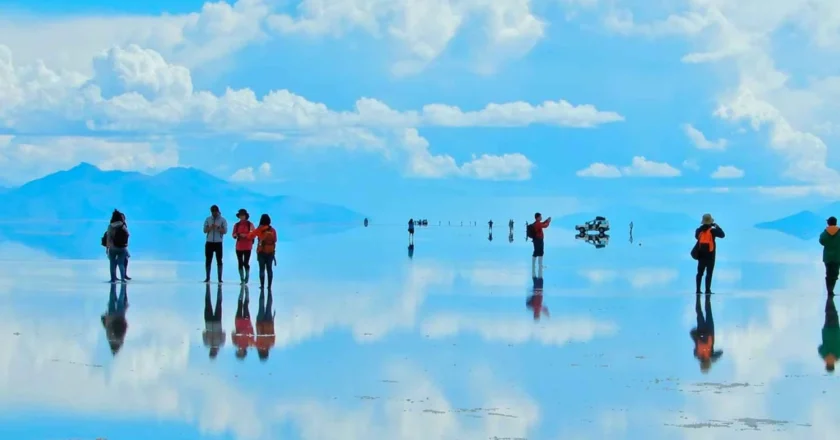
{"x":265,"y":249}
{"x":830,"y":242}
{"x":244,"y":245}
{"x":535,"y":232}
{"x":705,"y":250}
{"x":215,"y":227}
{"x":116,"y":242}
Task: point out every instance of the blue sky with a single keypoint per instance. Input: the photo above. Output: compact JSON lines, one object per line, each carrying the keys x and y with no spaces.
{"x":643,"y":99}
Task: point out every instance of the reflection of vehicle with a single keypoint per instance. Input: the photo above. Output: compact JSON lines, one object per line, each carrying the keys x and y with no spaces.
{"x":600,"y":225}
{"x":600,"y":241}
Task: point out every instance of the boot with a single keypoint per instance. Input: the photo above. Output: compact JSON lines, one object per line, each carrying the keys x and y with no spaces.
{"x":219,"y":271}
{"x":708,"y":284}
{"x":207,"y":271}
{"x":247,"y":274}
{"x":697,"y":280}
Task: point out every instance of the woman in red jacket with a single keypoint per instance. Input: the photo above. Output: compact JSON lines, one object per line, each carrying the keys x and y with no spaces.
{"x":265,"y":248}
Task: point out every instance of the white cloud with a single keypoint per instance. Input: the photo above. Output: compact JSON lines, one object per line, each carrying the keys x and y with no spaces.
{"x":24,"y":156}
{"x":639,"y":167}
{"x":690,"y":164}
{"x":699,"y":139}
{"x":727,"y":172}
{"x":639,"y":278}
{"x":601,"y":170}
{"x":556,"y":331}
{"x":248,"y":174}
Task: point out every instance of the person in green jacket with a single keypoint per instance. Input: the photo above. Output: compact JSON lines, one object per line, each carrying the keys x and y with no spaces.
{"x":830,"y":347}
{"x":830,"y":241}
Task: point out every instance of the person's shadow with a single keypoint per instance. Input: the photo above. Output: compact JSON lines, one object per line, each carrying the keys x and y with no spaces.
{"x":113,"y":320}
{"x":534,"y":303}
{"x":411,"y":251}
{"x":265,"y":325}
{"x":214,"y":335}
{"x":830,"y":347}
{"x":704,"y":336}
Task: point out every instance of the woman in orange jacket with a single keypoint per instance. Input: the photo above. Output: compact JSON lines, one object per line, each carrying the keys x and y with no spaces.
{"x":265,"y":248}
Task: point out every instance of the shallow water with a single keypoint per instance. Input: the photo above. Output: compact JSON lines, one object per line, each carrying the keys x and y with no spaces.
{"x":373,"y":345}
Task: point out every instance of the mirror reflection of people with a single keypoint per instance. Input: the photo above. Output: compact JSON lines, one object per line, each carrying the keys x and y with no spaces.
{"x":490,"y":236}
{"x":830,"y":348}
{"x":214,"y":335}
{"x":243,"y":330}
{"x":510,"y":237}
{"x":113,"y":321}
{"x":704,"y":336}
{"x":534,"y":303}
{"x":265,"y":326}
{"x":411,"y":251}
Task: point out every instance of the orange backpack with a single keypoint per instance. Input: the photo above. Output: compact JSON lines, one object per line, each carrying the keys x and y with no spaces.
{"x":268,"y":240}
{"x":706,"y":242}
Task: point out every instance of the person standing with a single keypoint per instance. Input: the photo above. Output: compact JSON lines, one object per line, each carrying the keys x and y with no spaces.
{"x":116,"y":242}
{"x":244,"y":244}
{"x":831,"y":254}
{"x":537,"y":236}
{"x":265,"y":249}
{"x":411,"y":231}
{"x":706,"y":250}
{"x":127,"y":252}
{"x":215,"y":227}
{"x":510,"y":226}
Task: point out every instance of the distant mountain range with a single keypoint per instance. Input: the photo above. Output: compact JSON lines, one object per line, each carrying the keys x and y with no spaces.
{"x":65,"y":213}
{"x":804,"y":224}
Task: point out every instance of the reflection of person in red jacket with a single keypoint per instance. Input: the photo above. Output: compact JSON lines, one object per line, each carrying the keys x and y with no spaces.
{"x":704,"y":336}
{"x":243,"y":331}
{"x":535,"y":301}
{"x":265,"y":326}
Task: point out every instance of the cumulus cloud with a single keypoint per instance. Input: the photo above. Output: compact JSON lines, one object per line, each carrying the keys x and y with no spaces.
{"x":639,"y":167}
{"x":555,"y":331}
{"x":699,"y":139}
{"x":249,"y":174}
{"x":727,"y":172}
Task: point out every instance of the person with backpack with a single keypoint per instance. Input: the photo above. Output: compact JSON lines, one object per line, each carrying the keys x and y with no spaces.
{"x":534,"y":231}
{"x":243,"y":244}
{"x":705,"y":250}
{"x":215,"y":227}
{"x":265,"y":249}
{"x":830,"y":241}
{"x":115,"y":241}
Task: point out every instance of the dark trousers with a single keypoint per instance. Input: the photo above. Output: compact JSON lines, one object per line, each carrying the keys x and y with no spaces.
{"x":211,"y":249}
{"x":265,"y":261}
{"x":243,"y":258}
{"x":209,"y":314}
{"x":242,"y":305}
{"x":539,"y":247}
{"x":705,"y":264}
{"x":705,"y":324}
{"x":831,"y":272}
{"x":264,"y":313}
{"x":831,"y":320}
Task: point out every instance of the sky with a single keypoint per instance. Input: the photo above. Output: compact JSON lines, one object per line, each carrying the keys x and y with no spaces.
{"x":357,"y":101}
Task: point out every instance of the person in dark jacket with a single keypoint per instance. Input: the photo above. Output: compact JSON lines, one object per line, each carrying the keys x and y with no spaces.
{"x":830,"y":241}
{"x":706,"y":246}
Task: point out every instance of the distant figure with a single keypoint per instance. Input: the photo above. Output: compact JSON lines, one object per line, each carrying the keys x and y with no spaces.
{"x":490,"y":223}
{"x":510,"y":237}
{"x":215,"y":227}
{"x":490,"y":236}
{"x":527,"y":231}
{"x":704,"y":336}
{"x":411,"y":231}
{"x":265,"y":249}
{"x":113,"y":321}
{"x":127,"y":252}
{"x":244,"y":244}
{"x":510,"y":226}
{"x":631,"y":232}
{"x":462,"y":223}
{"x":537,"y":236}
{"x":116,"y":244}
{"x":411,"y":251}
{"x":265,"y":326}
{"x":214,"y":335}
{"x":705,"y":250}
{"x":534,"y":303}
{"x":366,"y":222}
{"x":830,"y":348}
{"x":830,"y":241}
{"x":242,"y":335}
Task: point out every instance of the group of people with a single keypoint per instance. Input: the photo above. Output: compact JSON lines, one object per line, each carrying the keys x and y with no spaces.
{"x":244,"y":233}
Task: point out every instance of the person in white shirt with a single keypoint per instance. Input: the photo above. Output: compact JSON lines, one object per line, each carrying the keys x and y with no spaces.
{"x":215,"y":227}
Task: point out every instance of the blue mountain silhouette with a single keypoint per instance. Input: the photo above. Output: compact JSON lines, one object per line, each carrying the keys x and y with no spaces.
{"x":65,"y":213}
{"x":804,"y":224}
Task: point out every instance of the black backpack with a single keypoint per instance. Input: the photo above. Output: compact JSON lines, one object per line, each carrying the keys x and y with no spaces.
{"x":530,"y":231}
{"x":120,"y":238}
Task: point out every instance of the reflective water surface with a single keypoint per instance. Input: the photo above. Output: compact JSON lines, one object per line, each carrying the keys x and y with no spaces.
{"x":364,"y":338}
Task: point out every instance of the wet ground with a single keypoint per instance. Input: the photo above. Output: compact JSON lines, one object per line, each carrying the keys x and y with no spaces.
{"x":370,"y":344}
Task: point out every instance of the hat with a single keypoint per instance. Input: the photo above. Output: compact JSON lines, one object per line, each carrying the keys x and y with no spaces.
{"x":243,"y":212}
{"x":707,"y":219}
